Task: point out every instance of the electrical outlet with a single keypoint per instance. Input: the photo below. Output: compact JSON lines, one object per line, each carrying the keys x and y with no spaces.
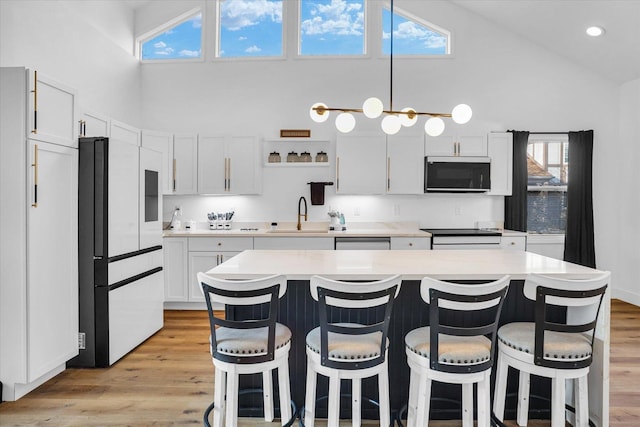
{"x":82,"y":341}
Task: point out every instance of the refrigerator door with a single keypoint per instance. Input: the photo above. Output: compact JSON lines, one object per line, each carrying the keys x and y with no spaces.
{"x":150,"y":198}
{"x":123,"y":198}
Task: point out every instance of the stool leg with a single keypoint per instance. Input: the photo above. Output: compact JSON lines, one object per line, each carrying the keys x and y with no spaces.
{"x":424,"y":400}
{"x":467,"y":405}
{"x":581,"y":396}
{"x":383,"y":393}
{"x":484,"y":405}
{"x":523,"y":398}
{"x":356,"y":393}
{"x":500,"y":391}
{"x":285,"y":391}
{"x":310,"y":397}
{"x":220,"y":379}
{"x":557,"y":402}
{"x":333,"y":407}
{"x":412,"y":406}
{"x":232,"y":399}
{"x":267,"y":395}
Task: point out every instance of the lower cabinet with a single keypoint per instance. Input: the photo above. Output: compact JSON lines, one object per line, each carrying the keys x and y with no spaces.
{"x":410,"y":243}
{"x":294,"y":243}
{"x":514,"y":243}
{"x":201,"y":262}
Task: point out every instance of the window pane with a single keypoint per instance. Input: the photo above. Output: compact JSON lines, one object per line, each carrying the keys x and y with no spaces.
{"x":180,"y":42}
{"x":250,"y":28}
{"x":332,"y":27}
{"x":410,"y":37}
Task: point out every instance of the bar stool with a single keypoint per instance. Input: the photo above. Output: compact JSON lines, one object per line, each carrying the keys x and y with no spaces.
{"x":349,"y":350}
{"x":454,"y":348}
{"x":247,"y":346}
{"x":559,"y":351}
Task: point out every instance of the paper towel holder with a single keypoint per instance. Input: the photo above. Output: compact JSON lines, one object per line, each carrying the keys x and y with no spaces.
{"x":317,"y":192}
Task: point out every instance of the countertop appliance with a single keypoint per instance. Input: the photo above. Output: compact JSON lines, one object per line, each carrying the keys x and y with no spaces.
{"x":464,"y":238}
{"x":121,"y":282}
{"x":457,"y":174}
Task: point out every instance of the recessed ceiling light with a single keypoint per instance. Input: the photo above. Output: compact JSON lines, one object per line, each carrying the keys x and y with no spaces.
{"x":595,"y":31}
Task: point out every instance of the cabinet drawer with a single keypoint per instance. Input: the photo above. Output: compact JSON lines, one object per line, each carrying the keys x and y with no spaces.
{"x":295,"y":243}
{"x":513,"y":243}
{"x":410,"y":243}
{"x":220,"y":243}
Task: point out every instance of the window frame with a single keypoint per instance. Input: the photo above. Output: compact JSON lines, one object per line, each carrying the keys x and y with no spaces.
{"x":172,"y":23}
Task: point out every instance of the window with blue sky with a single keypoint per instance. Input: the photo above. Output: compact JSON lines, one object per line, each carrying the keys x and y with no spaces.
{"x":332,"y":27}
{"x":182,"y":41}
{"x":250,"y":28}
{"x":411,"y":37}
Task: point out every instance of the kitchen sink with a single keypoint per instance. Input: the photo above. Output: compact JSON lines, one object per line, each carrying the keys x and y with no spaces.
{"x":284,"y":230}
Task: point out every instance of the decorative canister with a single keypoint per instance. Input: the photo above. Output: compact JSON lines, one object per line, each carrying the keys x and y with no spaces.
{"x":292,"y":157}
{"x":274,"y":157}
{"x":322,"y":157}
{"x":305,"y":157}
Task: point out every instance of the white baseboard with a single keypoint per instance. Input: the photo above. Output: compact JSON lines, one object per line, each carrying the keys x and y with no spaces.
{"x":626,"y":296}
{"x":12,"y":392}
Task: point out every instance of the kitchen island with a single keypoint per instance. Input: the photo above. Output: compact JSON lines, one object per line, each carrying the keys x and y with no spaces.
{"x":299,"y":311}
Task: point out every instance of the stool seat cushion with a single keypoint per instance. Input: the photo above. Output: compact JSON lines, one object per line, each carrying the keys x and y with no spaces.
{"x":250,"y":341}
{"x":557,"y":345}
{"x":347,"y":347}
{"x":452,"y":349}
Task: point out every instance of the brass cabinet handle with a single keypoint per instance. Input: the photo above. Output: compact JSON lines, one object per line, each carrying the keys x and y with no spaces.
{"x":229,"y":174}
{"x":35,"y":102}
{"x":35,"y":176}
{"x":337,"y":173}
{"x":388,"y":173}
{"x":83,"y":127}
{"x":175,"y":165}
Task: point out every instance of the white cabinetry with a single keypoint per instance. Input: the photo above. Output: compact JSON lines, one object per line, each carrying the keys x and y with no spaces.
{"x":93,"y":125}
{"x":228,"y":165}
{"x":514,"y":243}
{"x":185,"y":162}
{"x":39,"y":229}
{"x":456,"y":145}
{"x":163,"y":143}
{"x":501,"y":154}
{"x":360,"y":164}
{"x":405,"y":164}
{"x":315,"y":148}
{"x":124,"y":133}
{"x":294,"y":243}
{"x":410,"y":243}
{"x":176,"y":269}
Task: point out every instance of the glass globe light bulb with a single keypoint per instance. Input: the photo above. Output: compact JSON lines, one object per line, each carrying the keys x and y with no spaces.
{"x":318,"y":116}
{"x":434,"y":126}
{"x":345,"y":122}
{"x":372,"y":107}
{"x":408,"y":119}
{"x":461,"y":113}
{"x":391,"y":124}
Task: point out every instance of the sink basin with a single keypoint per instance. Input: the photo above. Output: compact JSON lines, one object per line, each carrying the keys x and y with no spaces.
{"x":294,"y":231}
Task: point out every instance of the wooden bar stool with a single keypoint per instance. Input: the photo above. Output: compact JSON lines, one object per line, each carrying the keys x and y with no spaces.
{"x":349,"y":350}
{"x":559,"y":351}
{"x":457,"y":349}
{"x":247,"y":346}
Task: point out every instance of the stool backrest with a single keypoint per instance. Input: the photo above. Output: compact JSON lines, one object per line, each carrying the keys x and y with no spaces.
{"x":352,"y":296}
{"x":585,"y":295}
{"x":476,"y":309}
{"x":265,"y":290}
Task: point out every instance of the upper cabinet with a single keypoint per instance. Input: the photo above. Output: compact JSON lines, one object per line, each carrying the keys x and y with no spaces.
{"x":52,"y":111}
{"x":161,"y":142}
{"x":93,"y":125}
{"x":184,"y":173}
{"x":228,"y":165}
{"x":405,"y":164}
{"x":124,"y":133}
{"x":360,"y":164}
{"x":501,"y":154}
{"x":456,"y":145}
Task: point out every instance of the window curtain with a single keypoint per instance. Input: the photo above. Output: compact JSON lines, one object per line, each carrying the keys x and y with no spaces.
{"x":579,"y":247}
{"x":515,"y":206}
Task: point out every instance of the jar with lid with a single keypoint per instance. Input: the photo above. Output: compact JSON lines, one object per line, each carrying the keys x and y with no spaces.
{"x":274,"y":157}
{"x":305,"y":157}
{"x":292,"y":157}
{"x":322,"y":157}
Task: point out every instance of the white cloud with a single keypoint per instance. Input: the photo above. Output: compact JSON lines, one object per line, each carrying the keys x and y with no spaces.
{"x":189,"y":53}
{"x":196,"y":21}
{"x":253,"y":49}
{"x":411,"y":31}
{"x":241,"y":38}
{"x":339,"y":18}
{"x":165,"y":52}
{"x":237,"y":14}
{"x":160,"y":45}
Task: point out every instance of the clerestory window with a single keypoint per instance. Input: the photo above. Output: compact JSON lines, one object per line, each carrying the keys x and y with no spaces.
{"x":332,"y":27}
{"x":180,"y":39}
{"x":412,"y":36}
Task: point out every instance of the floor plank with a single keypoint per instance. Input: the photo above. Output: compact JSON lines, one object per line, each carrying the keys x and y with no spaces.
{"x":168,"y":381}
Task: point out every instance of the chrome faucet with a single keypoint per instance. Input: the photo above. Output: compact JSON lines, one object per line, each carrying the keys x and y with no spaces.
{"x":302,"y":199}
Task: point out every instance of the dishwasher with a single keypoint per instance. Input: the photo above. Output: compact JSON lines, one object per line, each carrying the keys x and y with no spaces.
{"x":367,"y":243}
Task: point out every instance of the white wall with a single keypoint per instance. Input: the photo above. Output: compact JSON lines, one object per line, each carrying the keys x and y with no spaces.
{"x":86,"y":45}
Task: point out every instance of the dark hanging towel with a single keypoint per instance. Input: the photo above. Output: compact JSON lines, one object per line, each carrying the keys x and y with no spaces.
{"x":317,"y":192}
{"x":515,"y":206}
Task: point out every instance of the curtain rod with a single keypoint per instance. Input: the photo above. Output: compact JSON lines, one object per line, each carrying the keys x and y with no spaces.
{"x":548,"y":133}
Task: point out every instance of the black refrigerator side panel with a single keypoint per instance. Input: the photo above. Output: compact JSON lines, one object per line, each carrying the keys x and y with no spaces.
{"x":101,"y":264}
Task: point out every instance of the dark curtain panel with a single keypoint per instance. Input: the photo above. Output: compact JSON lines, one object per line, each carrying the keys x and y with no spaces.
{"x":515,"y":206}
{"x":579,"y":246}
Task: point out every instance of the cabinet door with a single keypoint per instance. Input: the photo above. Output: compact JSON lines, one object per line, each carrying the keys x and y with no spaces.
{"x":123,"y":198}
{"x":52,"y":258}
{"x":296,"y":243}
{"x":176,"y":269}
{"x":410,"y":243}
{"x":501,"y":154}
{"x":163,"y":143}
{"x":52,"y":111}
{"x":405,"y":164}
{"x":185,"y":155}
{"x":442,"y":145}
{"x":124,"y":133}
{"x":243,"y":157}
{"x":456,"y":145}
{"x":94,"y":125}
{"x":203,"y":262}
{"x":212,"y":165}
{"x":361,"y":164}
{"x":472,"y":145}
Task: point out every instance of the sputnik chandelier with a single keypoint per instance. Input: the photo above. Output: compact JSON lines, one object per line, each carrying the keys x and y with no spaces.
{"x":393,"y":120}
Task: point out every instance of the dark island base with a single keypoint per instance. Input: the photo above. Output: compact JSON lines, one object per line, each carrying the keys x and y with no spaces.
{"x":299,"y":312}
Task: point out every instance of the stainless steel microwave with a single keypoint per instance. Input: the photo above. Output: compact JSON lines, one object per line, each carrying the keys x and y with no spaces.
{"x":457,"y":174}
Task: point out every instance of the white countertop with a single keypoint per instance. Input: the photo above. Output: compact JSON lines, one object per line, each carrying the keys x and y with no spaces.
{"x":412,"y":265}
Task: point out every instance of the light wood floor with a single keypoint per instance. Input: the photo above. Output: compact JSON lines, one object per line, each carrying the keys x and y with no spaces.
{"x":168,"y":381}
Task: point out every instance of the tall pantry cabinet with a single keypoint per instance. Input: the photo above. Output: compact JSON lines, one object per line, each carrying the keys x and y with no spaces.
{"x":38,"y":230}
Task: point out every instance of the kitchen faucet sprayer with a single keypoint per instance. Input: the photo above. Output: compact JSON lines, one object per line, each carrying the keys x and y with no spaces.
{"x":300,"y":200}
